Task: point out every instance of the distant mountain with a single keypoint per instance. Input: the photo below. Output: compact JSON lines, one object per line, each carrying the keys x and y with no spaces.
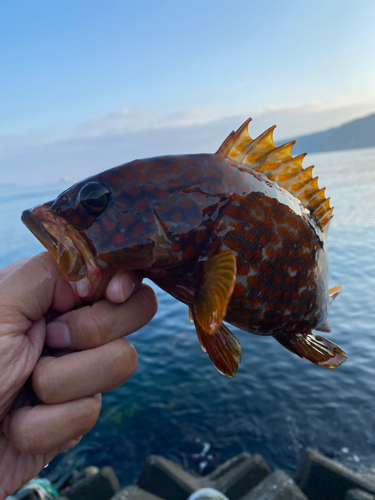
{"x":358,"y":133}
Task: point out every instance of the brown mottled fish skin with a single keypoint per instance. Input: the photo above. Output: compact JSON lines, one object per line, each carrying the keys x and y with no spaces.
{"x":168,"y":217}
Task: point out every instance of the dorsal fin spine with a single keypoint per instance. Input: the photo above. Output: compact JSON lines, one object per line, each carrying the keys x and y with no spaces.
{"x":278,"y":164}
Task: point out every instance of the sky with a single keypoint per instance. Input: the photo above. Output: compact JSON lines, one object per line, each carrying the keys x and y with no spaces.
{"x":89,"y":84}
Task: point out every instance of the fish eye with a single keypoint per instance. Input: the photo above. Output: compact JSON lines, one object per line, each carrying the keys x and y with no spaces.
{"x":94,"y":198}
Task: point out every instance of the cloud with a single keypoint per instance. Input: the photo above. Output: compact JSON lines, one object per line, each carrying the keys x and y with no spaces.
{"x":127,"y":120}
{"x":126,"y":134}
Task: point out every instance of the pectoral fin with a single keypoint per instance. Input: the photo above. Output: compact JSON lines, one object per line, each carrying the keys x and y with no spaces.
{"x":313,"y":347}
{"x":218,"y":275}
{"x":222,"y":347}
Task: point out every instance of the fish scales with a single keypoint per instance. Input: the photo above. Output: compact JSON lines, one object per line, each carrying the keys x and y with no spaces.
{"x":222,"y":233}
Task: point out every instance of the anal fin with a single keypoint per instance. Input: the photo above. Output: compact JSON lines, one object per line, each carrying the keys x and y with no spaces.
{"x":313,"y":347}
{"x":222,"y":347}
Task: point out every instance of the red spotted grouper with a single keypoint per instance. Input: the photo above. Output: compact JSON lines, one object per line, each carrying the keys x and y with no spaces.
{"x":239,"y":236}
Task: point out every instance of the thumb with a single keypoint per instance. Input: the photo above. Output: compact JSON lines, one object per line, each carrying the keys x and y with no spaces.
{"x":26,"y":293}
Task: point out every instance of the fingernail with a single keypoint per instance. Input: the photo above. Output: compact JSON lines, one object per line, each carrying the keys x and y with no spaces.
{"x":58,"y":335}
{"x":121,"y":286}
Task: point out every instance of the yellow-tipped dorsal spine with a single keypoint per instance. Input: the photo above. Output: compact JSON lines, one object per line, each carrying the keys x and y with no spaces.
{"x":278,"y":164}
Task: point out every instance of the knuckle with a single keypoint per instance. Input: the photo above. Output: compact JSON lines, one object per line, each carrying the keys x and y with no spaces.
{"x":43,"y":381}
{"x":23,"y":437}
{"x":91,"y":329}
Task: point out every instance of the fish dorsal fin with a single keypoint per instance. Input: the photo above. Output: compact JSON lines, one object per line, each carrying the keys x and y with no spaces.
{"x":217,"y":277}
{"x":278,"y":164}
{"x":315,"y":348}
{"x":223,"y":348}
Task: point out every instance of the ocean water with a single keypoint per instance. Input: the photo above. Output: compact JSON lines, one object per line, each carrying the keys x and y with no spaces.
{"x":177,"y":405}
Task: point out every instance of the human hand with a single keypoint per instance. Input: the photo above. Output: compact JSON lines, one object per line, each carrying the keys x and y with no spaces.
{"x":48,"y":403}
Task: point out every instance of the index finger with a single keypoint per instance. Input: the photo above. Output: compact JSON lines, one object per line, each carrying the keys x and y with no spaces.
{"x":104,"y":321}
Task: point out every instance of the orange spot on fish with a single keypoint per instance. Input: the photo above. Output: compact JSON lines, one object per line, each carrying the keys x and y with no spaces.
{"x":141,"y":205}
{"x":200,"y":236}
{"x":193,"y":174}
{"x":243,"y":269}
{"x":256,"y":302}
{"x":129,"y":175}
{"x":118,"y":238}
{"x":109,"y":225}
{"x":249,"y":236}
{"x":291,"y":221}
{"x":186,"y":204}
{"x":161,"y":194}
{"x":247,"y":255}
{"x":176,"y":247}
{"x":263,"y":240}
{"x":174,"y":168}
{"x":282,"y":230}
{"x":76,"y":219}
{"x":188,"y":252}
{"x":238,"y":291}
{"x":279,"y":219}
{"x":268,"y":223}
{"x":270,"y":252}
{"x":258,"y":254}
{"x":140,"y":166}
{"x":138,"y":230}
{"x":143,"y":177}
{"x":278,"y":279}
{"x":174,"y":182}
{"x":132,"y":190}
{"x":237,"y":227}
{"x":163,"y":208}
{"x":231,"y":182}
{"x":125,"y":219}
{"x":231,"y":211}
{"x":159,"y":175}
{"x":253,"y":281}
{"x":176,"y":217}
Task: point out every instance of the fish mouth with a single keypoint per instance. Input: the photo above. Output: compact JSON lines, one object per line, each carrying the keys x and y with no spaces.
{"x":62,"y":241}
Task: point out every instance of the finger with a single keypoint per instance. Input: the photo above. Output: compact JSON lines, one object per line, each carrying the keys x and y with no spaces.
{"x":102,"y":322}
{"x":63,"y":297}
{"x":82,"y":373}
{"x":43,"y":428}
{"x":121,"y":286}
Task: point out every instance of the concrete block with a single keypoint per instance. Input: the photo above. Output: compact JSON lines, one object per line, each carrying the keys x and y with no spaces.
{"x":238,"y":475}
{"x":167,"y":480}
{"x":358,"y":495}
{"x":276,"y":486}
{"x":134,"y":493}
{"x":100,"y":486}
{"x":321,"y":478}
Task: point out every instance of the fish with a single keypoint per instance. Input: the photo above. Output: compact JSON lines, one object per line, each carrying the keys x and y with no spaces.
{"x":239,"y":236}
